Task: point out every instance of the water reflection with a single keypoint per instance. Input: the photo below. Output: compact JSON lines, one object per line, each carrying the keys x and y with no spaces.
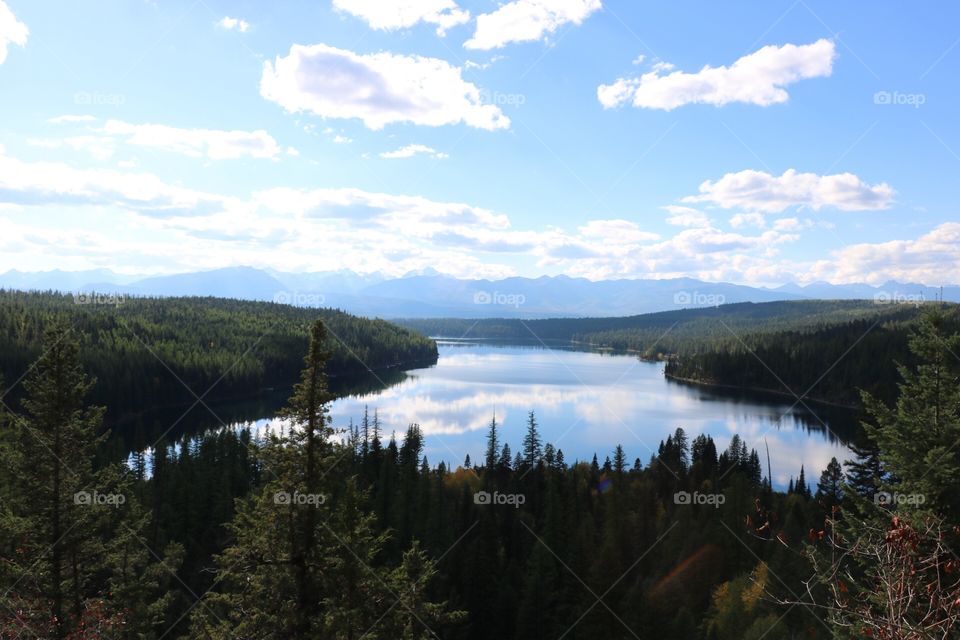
{"x":586,"y":402}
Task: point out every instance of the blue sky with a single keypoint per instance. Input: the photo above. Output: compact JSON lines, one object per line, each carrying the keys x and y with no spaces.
{"x":747,"y":142}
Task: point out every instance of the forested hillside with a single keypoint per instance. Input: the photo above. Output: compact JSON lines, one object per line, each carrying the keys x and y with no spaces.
{"x":681,"y":331}
{"x":831,"y":363}
{"x":783,"y":347}
{"x":150,"y":352}
{"x":305,"y":535}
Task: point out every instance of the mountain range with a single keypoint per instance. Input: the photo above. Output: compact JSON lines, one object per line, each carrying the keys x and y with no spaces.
{"x":430,"y":294}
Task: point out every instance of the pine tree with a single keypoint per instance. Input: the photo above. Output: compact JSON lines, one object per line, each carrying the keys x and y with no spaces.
{"x":830,"y":486}
{"x":917,"y":437}
{"x":302,"y":564}
{"x":886,"y":550}
{"x":802,"y":488}
{"x":619,"y":462}
{"x":863,"y":471}
{"x":77,"y":557}
{"x":493,"y":444}
{"x":532,"y":446}
{"x":505,"y":462}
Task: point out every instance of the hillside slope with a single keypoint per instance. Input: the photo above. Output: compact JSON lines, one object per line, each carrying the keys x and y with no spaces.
{"x":149,"y":352}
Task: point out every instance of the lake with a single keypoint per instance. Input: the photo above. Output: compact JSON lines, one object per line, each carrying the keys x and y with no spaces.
{"x":585,"y":402}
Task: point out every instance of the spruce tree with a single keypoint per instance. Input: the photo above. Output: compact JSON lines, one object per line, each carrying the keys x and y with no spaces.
{"x":303,"y":563}
{"x":493,"y":445}
{"x":532,"y":444}
{"x":75,"y":557}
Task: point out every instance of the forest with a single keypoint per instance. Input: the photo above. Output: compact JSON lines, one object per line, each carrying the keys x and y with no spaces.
{"x":150,"y":352}
{"x":835,"y":343}
{"x":655,"y":335}
{"x":341,"y":531}
{"x":841,"y":359}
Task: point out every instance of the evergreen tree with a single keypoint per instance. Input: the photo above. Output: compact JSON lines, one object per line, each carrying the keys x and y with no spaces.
{"x":493,"y":444}
{"x":532,"y":446}
{"x":505,"y":463}
{"x":863,"y":471}
{"x":302,"y":561}
{"x":73,"y":556}
{"x":830,"y":486}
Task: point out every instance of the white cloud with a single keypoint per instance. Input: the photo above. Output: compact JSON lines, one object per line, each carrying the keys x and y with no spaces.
{"x":413,"y":149}
{"x":686,"y":217}
{"x":40,"y":183}
{"x":933,"y":258}
{"x":748,"y":220}
{"x":363,"y":208}
{"x":100,"y":147}
{"x":341,"y":139}
{"x":792,"y":224}
{"x":70,"y":119}
{"x":379,"y":88}
{"x":389,"y":15}
{"x":233,"y":24}
{"x":616,"y":232}
{"x":211,"y":143}
{"x":12,"y":31}
{"x":759,"y":78}
{"x":482,"y":66}
{"x":761,"y":192}
{"x":528,"y":21}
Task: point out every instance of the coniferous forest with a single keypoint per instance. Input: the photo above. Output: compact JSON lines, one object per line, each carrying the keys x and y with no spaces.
{"x":154,"y":352}
{"x":348,"y":531}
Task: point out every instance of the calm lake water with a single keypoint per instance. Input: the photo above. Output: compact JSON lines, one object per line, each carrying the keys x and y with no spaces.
{"x":586,"y":402}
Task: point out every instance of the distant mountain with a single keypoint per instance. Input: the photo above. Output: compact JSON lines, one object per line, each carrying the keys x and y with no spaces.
{"x":428,"y":294}
{"x":61,"y":280}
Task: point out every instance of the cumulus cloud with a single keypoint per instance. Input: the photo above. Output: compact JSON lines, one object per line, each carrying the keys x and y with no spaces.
{"x":759,"y":78}
{"x":414,"y":149}
{"x":100,"y":147}
{"x":210,"y":143}
{"x":378,"y":89}
{"x":758,"y":191}
{"x":686,"y":217}
{"x":233,"y":24}
{"x":933,"y":258}
{"x":792,"y":224}
{"x":55,"y":183}
{"x":12,"y":31}
{"x":364,"y":208}
{"x":528,"y":21}
{"x":748,"y":220}
{"x":389,"y":15}
{"x":616,"y":232}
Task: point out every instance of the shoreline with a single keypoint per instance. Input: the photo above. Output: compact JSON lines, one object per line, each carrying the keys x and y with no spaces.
{"x":264,"y":392}
{"x":718,"y":385}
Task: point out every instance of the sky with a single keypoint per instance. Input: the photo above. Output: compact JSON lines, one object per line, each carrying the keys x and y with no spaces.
{"x":747,"y":142}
